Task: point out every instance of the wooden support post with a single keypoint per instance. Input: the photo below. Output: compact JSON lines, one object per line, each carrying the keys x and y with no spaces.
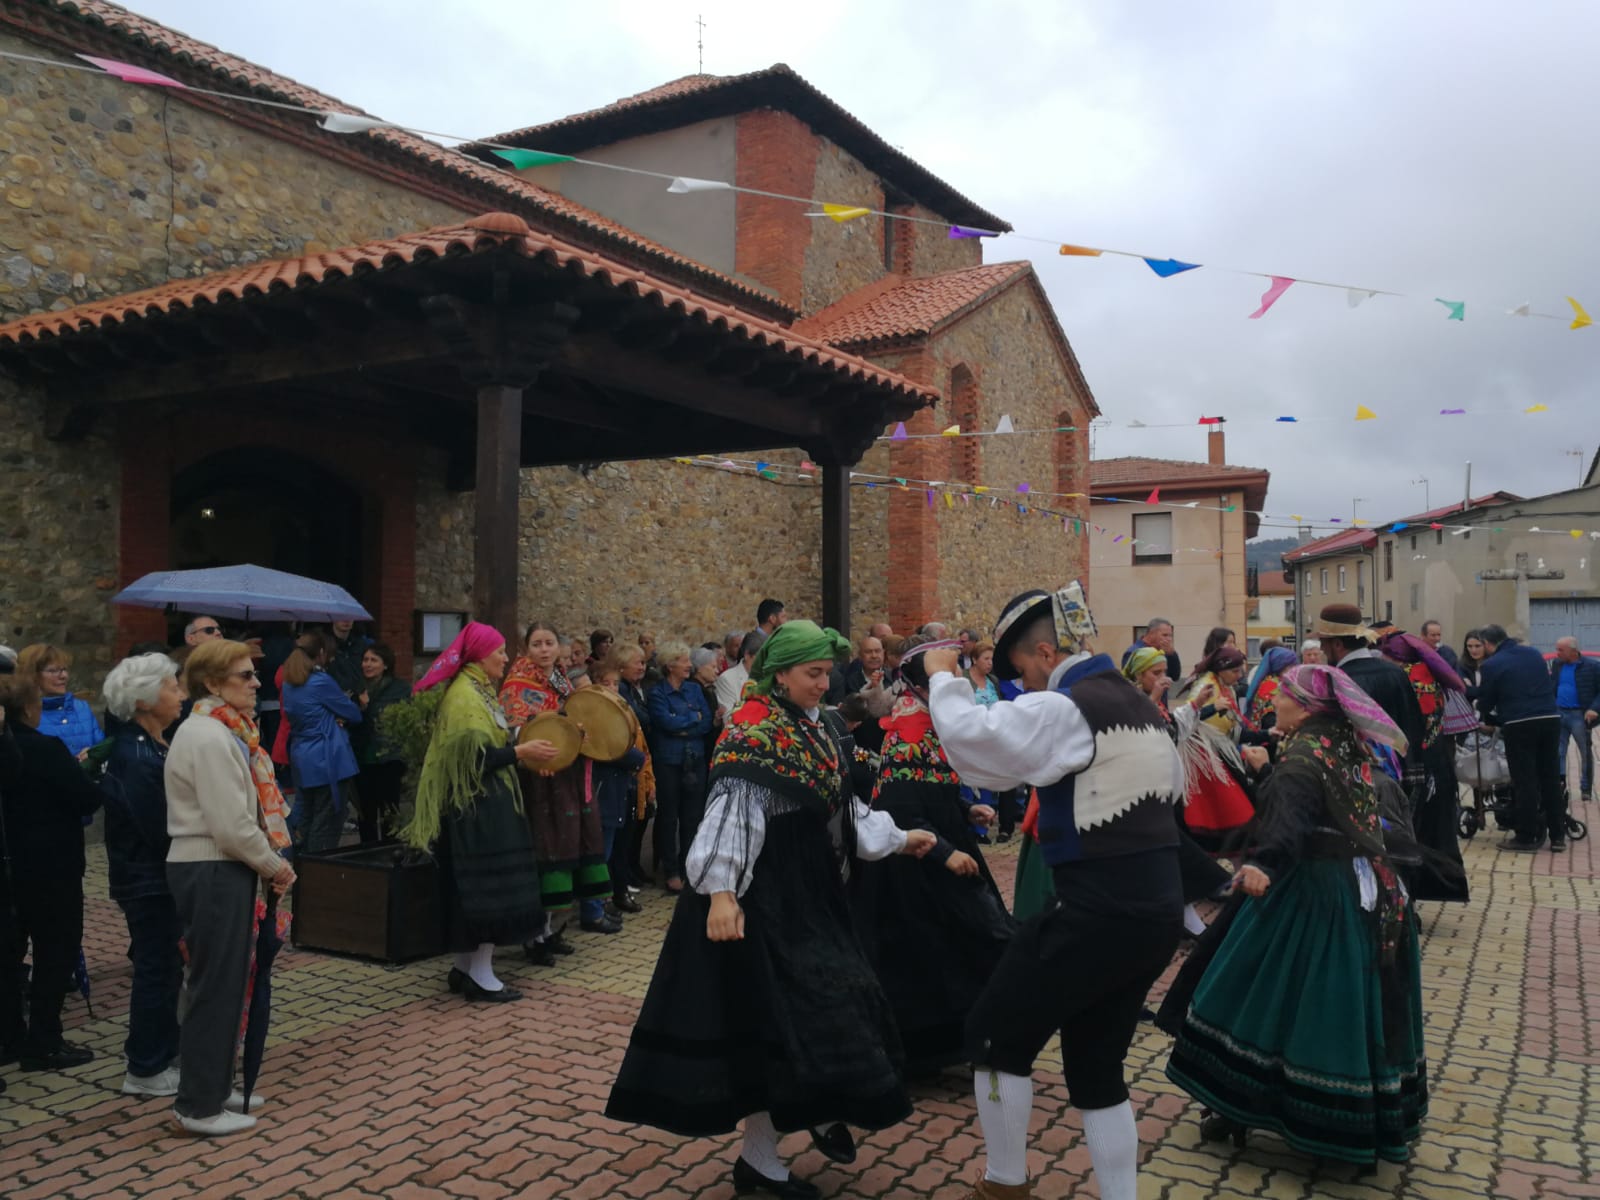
{"x":494,"y":575}
{"x":836,"y":547}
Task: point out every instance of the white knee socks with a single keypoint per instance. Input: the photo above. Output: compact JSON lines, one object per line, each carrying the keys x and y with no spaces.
{"x":1113,"y":1138}
{"x":480,"y":968}
{"x":761,"y":1146}
{"x":1192,"y":921}
{"x":1005,"y":1105}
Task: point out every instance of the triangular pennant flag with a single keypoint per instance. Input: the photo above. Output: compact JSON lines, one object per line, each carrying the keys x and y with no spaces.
{"x":1537,"y":408}
{"x":1577,"y":533}
{"x":1452,"y":412}
{"x":1399,"y":525}
{"x":1280,"y":285}
{"x":1521,"y":310}
{"x":1209,"y":421}
{"x":1289,"y":420}
{"x":684,"y":184}
{"x":1355,"y":297}
{"x":1579,"y":317}
{"x":962,"y":231}
{"x":728,"y":464}
{"x":338,"y":122}
{"x":952,"y":431}
{"x":899,"y":434}
{"x":1192,"y":504}
{"x":948,"y":501}
{"x":980,"y":490}
{"x":1231,"y":508}
{"x":129,"y":73}
{"x":1154,"y":497}
{"x":1004,"y":425}
{"x":842,"y":212}
{"x":1458,"y":308}
{"x":1168,"y":267}
{"x":761,"y":466}
{"x":930,"y":497}
{"x":521,"y":160}
{"x":1022,"y":487}
{"x":1079,"y":251}
{"x":1363,"y":413}
{"x":1436,"y":525}
{"x":808,"y":465}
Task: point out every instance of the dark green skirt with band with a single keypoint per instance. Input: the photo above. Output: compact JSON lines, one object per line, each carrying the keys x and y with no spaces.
{"x":1286,"y":1031}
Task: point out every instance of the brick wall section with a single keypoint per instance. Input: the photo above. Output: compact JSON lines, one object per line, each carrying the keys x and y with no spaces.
{"x":934,"y":251}
{"x":777,"y":153}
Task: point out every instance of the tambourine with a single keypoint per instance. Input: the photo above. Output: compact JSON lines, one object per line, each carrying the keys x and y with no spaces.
{"x":607,"y":734}
{"x":559,"y":730}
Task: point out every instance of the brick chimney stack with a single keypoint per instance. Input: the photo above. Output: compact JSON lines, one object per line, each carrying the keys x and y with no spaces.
{"x":1216,"y":446}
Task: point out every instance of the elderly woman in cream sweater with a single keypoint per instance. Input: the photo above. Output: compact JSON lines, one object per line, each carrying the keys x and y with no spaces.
{"x":226,"y":819}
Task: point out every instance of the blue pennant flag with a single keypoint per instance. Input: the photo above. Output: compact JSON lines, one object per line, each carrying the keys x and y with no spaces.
{"x":1168,"y":267}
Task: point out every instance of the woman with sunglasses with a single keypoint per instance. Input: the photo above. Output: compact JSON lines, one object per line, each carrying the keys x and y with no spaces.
{"x":225,"y":816}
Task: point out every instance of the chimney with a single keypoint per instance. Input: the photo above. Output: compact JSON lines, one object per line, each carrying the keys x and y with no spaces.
{"x":1216,"y":446}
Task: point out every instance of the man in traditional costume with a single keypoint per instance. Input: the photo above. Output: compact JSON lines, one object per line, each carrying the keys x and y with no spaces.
{"x":762,"y":1008}
{"x":1107,"y":775}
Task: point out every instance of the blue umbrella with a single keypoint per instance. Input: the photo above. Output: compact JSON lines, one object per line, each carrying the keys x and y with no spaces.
{"x":245,"y":592}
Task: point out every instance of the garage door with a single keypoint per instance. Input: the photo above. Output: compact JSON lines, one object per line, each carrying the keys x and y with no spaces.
{"x":1551,"y":620}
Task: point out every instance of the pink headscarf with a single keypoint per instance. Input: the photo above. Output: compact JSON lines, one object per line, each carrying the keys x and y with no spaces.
{"x":473,"y":644}
{"x":1324,"y":691}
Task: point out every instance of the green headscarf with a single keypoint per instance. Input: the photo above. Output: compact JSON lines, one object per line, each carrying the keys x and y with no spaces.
{"x":1140,"y":661}
{"x":793,"y":643}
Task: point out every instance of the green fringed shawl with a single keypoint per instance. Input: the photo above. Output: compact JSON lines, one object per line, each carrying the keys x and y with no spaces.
{"x":469,"y":723}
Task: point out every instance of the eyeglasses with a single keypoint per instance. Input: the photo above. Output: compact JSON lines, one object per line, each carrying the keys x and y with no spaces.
{"x":247,"y":676}
{"x":208,"y":630}
{"x":53,"y":671}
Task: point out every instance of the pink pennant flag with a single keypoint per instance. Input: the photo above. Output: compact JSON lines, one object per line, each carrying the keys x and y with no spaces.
{"x":1280,"y":285}
{"x":1155,"y":496}
{"x":129,"y":73}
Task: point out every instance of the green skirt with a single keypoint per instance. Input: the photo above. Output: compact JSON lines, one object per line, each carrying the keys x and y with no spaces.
{"x":1035,"y":886}
{"x":1286,"y":1030}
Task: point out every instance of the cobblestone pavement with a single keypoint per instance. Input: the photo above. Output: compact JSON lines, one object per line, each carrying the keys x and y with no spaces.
{"x":382,"y":1084}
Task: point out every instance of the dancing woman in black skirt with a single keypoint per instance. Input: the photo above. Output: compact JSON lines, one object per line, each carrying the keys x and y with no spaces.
{"x":763,"y":1008}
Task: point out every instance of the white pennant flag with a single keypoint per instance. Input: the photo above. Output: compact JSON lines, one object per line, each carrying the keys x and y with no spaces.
{"x":338,"y":122}
{"x":1005,"y":425}
{"x":1355,"y":297}
{"x":684,"y":184}
{"x":1521,"y":310}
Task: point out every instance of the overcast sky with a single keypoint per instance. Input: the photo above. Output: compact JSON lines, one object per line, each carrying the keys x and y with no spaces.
{"x":1436,"y":149}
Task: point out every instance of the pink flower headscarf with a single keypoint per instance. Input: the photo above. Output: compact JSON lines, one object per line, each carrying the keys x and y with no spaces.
{"x":473,"y":644}
{"x":1324,"y":691}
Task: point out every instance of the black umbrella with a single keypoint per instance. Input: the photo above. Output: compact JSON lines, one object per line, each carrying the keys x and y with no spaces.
{"x":268,"y":943}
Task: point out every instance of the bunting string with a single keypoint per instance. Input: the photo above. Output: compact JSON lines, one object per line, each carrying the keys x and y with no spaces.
{"x":824,"y":208}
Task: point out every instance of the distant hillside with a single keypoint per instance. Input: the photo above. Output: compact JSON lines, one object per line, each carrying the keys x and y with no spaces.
{"x":1267,"y":554}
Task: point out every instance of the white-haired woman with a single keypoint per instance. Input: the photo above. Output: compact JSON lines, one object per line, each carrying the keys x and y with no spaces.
{"x":143,"y":695}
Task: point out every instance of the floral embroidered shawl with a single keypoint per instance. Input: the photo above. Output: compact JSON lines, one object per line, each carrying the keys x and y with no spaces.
{"x":529,"y":690}
{"x":770,"y":742}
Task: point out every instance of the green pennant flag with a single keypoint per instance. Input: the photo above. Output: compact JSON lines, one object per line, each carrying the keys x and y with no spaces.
{"x":521,"y":160}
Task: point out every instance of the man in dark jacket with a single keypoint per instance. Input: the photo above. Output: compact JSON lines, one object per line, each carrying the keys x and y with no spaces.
{"x":1347,"y":642}
{"x":45,"y":797}
{"x":1514,"y":693}
{"x":1576,"y":680}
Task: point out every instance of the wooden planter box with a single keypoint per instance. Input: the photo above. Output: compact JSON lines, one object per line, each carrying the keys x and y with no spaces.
{"x":379,"y":902}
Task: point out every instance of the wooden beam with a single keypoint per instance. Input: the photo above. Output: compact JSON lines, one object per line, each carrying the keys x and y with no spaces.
{"x":836,"y":547}
{"x":499,"y":460}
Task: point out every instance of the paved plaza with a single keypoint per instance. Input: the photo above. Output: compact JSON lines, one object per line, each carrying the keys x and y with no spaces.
{"x":382,"y":1084}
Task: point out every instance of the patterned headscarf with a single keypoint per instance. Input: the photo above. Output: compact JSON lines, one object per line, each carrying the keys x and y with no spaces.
{"x":793,"y":643}
{"x":1329,"y":691}
{"x":1140,"y":661}
{"x":1274,"y":662}
{"x":474,"y":643}
{"x":1409,"y":648}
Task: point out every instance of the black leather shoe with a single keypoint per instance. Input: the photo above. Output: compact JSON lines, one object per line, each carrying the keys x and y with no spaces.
{"x":60,"y":1059}
{"x":559,"y":945}
{"x":747,"y":1179}
{"x":603,"y":925}
{"x":627,"y":904}
{"x":472,"y":991}
{"x":835,"y":1142}
{"x":540,"y":954}
{"x":1557,"y":845}
{"x":455,"y":981}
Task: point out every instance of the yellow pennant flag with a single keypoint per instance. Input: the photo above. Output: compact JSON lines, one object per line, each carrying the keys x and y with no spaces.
{"x":1363,"y":413}
{"x":1579,"y":317}
{"x":949,"y":501}
{"x":953,"y":431}
{"x":980,"y":490}
{"x":845,"y":212}
{"x":1577,"y":533}
{"x":1537,"y":408}
{"x":1079,"y":251}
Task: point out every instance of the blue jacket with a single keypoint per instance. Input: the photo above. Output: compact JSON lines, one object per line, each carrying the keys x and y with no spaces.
{"x":1515,"y":685}
{"x":70,"y":720}
{"x":1587,"y":680}
{"x":319,"y":751}
{"x":679,"y":722}
{"x":134,"y":791}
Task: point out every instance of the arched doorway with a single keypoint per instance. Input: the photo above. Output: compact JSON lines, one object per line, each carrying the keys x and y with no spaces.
{"x":268,"y":507}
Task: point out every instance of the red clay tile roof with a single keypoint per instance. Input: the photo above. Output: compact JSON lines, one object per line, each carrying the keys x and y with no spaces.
{"x":490,"y":232}
{"x":702,"y":97}
{"x":1133,"y":477}
{"x":1334,"y":543}
{"x":1273,"y":583}
{"x":1450,"y":510}
{"x":186,"y":58}
{"x":908,"y":308}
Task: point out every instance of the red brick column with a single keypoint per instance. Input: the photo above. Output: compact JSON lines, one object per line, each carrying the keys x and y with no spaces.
{"x":914,"y":559}
{"x":144,"y":523}
{"x":776,"y":153}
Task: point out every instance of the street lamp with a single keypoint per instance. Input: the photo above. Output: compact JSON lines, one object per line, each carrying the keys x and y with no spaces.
{"x":1427,"y":496}
{"x":1355,"y":500}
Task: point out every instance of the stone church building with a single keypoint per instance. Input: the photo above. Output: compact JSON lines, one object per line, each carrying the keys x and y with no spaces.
{"x":229,"y":335}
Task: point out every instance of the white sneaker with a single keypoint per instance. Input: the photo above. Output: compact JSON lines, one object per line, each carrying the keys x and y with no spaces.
{"x":164,"y":1084}
{"x":235,"y":1102}
{"x":220,"y":1125}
